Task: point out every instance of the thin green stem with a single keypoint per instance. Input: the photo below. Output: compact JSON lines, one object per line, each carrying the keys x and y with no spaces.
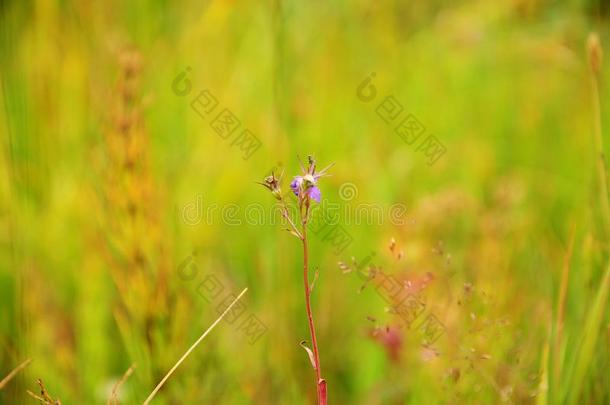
{"x":601,"y":160}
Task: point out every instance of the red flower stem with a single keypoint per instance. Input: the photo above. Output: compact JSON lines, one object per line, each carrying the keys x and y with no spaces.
{"x":312,"y":328}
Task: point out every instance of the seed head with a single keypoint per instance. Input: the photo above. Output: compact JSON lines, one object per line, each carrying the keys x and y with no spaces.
{"x":595,"y":53}
{"x":272,"y":183}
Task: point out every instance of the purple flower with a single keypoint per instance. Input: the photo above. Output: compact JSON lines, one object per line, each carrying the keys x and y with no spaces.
{"x":315,"y":194}
{"x":307,"y":185}
{"x":295,"y":185}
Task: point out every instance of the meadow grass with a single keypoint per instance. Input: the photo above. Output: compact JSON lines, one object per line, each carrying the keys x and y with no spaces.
{"x":505,"y":237}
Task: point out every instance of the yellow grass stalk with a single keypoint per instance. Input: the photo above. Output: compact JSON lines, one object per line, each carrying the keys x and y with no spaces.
{"x":13,"y":373}
{"x":113,"y":400}
{"x":185,"y":355}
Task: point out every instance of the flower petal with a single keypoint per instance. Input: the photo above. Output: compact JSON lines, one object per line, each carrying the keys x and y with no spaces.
{"x":315,"y":194}
{"x":295,"y":185}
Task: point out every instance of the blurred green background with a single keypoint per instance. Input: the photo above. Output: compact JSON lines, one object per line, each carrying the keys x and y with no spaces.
{"x":100,"y":158}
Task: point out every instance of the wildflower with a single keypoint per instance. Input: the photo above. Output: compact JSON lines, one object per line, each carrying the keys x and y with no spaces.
{"x":305,"y":186}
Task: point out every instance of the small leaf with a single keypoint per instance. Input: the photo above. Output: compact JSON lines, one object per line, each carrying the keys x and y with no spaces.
{"x":313,"y":283}
{"x":293,"y":232}
{"x":309,"y":352}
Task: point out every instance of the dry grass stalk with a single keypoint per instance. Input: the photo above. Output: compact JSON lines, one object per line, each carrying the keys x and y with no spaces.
{"x":113,"y":400}
{"x":44,"y":396}
{"x":13,"y":373}
{"x":185,"y":355}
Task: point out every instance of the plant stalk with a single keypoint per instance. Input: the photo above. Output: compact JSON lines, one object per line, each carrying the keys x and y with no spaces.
{"x":312,"y":328}
{"x":595,"y":62}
